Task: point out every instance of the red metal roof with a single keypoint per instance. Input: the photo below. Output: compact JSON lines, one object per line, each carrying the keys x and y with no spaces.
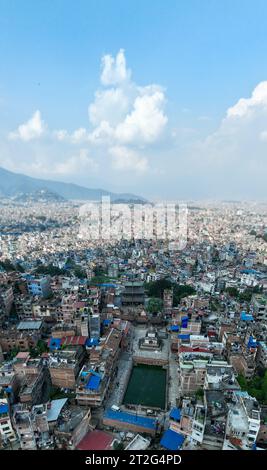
{"x":190,"y":349}
{"x":74,"y":340}
{"x":95,"y":440}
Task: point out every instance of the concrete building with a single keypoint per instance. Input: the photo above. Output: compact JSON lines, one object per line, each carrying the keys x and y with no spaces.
{"x":39,"y":287}
{"x":64,"y":367}
{"x":72,"y":426}
{"x":7,"y":432}
{"x":261,"y":356}
{"x":259,"y":304}
{"x":6,"y":299}
{"x":243,"y":423}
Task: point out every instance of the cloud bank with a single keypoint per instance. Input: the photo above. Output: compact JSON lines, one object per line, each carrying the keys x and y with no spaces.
{"x":129,"y":134}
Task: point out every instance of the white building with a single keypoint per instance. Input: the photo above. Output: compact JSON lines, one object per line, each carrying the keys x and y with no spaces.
{"x":243,"y":423}
{"x":6,"y":431}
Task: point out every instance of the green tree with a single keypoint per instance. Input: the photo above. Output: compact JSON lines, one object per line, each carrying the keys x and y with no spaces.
{"x":200,"y":393}
{"x":154,"y":305}
{"x":118,"y":445}
{"x":232,"y":291}
{"x":156,"y":289}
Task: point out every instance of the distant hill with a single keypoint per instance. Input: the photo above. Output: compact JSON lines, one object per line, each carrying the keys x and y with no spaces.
{"x":16,"y":185}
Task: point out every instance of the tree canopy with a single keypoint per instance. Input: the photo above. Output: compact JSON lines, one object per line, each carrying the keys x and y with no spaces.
{"x":156,"y":289}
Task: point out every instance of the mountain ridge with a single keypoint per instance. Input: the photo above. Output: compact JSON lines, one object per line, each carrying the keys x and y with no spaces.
{"x":12,"y":184}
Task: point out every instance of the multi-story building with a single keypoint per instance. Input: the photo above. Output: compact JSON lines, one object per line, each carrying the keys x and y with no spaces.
{"x":243,"y":423}
{"x":6,"y":299}
{"x":192,"y":370}
{"x":31,"y":427}
{"x":68,"y":307}
{"x":21,"y":340}
{"x":39,"y":286}
{"x":23,"y":305}
{"x":167,"y":300}
{"x":94,"y":325}
{"x":6,"y":430}
{"x":261,"y":356}
{"x":74,"y":424}
{"x":259,"y":305}
{"x":64,"y":367}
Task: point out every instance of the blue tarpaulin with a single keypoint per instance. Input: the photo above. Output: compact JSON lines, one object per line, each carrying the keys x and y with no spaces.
{"x":172,"y":440}
{"x":184,"y":337}
{"x":93,"y":382}
{"x":175,"y":414}
{"x":3,"y":408}
{"x":54,"y":343}
{"x":175,"y":328}
{"x":252,"y":343}
{"x":184,"y":322}
{"x":244,"y":316}
{"x":92,"y":342}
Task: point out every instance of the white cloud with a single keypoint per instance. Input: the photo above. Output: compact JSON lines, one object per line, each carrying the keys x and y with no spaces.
{"x":77,"y":137}
{"x":76,"y":164}
{"x":103,"y":134}
{"x":234,"y":156}
{"x":61,"y":134}
{"x":246,"y":106}
{"x":125,"y":121}
{"x":125,"y":159}
{"x":145,"y":122}
{"x":109,"y":105}
{"x":263,"y":136}
{"x":114,"y":71}
{"x":32,"y":129}
{"x":129,"y":113}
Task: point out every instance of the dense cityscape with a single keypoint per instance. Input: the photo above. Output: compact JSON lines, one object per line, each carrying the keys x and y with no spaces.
{"x":133,"y":233}
{"x":129,"y":344}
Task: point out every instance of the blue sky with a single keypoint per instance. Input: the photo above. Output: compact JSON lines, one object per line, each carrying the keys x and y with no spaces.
{"x":204,"y":56}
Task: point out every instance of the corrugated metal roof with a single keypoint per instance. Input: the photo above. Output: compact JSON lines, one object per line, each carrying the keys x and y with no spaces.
{"x":95,"y":440}
{"x":56,"y":407}
{"x":123,"y":417}
{"x":29,"y":325}
{"x":172,"y":440}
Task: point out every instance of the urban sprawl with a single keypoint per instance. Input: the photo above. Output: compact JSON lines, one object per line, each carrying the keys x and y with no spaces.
{"x":128,"y":344}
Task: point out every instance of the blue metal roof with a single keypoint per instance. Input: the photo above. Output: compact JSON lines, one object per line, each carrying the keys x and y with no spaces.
{"x":175,"y":414}
{"x":172,"y":440}
{"x":123,"y":417}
